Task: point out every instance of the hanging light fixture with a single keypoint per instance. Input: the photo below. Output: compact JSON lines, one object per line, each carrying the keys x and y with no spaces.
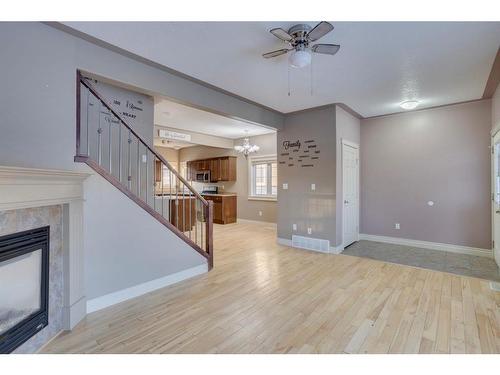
{"x":246,"y":148}
{"x":300,"y":58}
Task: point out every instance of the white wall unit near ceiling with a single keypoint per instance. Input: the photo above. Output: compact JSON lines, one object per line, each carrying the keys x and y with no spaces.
{"x":379,"y":65}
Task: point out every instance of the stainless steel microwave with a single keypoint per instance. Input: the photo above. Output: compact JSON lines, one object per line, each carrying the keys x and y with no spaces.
{"x":203,"y":176}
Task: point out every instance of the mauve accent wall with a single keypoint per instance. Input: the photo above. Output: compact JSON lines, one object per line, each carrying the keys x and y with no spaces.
{"x":495,"y":109}
{"x":299,"y":204}
{"x":440,"y":155}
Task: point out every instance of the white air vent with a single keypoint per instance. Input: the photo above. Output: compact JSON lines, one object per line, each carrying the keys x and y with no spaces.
{"x":309,"y":243}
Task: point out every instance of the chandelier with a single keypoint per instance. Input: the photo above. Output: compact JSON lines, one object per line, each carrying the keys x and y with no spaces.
{"x":246,"y":148}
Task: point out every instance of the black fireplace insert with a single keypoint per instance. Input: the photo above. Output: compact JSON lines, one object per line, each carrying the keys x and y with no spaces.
{"x":24,"y":286}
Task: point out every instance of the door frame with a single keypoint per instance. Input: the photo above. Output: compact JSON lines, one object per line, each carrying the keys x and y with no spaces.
{"x":344,"y":142}
{"x":493,"y":134}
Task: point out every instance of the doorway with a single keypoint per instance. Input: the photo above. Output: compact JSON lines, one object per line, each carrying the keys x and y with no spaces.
{"x":350,"y":193}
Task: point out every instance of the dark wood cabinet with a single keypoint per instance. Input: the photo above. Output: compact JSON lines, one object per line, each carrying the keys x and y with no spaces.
{"x":221,"y":168}
{"x":183,"y":213}
{"x":227,"y":169}
{"x":215,"y":170}
{"x":225,"y":208}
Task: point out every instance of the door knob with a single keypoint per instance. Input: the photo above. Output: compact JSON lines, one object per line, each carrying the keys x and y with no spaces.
{"x":346,"y":202}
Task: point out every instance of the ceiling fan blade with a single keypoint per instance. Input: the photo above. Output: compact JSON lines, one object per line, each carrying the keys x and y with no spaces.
{"x":281,"y":34}
{"x":275,"y":53}
{"x":320,"y":30}
{"x":328,"y":49}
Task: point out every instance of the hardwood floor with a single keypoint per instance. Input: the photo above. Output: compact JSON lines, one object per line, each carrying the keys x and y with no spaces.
{"x":265,"y":298}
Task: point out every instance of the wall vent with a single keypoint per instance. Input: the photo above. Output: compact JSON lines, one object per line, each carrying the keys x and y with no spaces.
{"x":309,"y":243}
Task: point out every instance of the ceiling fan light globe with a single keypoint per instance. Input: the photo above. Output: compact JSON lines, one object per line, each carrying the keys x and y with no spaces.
{"x":409,"y":104}
{"x":300,"y":59}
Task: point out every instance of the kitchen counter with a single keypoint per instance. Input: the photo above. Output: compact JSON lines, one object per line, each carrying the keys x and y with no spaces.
{"x":173,"y":196}
{"x":219,"y":194}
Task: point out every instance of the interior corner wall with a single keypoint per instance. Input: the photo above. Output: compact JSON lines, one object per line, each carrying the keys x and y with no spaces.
{"x":347,"y":128}
{"x":440,"y":155}
{"x":299,"y":204}
{"x":495,"y":109}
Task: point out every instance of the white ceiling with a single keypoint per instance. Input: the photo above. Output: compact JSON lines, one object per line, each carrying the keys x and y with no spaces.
{"x":379,"y":65}
{"x":179,"y":116}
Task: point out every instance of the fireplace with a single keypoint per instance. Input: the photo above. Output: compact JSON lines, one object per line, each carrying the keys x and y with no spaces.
{"x":24,"y":286}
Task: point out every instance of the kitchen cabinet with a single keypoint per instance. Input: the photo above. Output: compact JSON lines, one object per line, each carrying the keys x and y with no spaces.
{"x":227,"y":169}
{"x":221,"y":168}
{"x":225,"y":207}
{"x":182,"y":212}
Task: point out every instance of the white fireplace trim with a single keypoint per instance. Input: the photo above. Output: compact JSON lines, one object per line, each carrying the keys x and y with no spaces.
{"x":28,"y":187}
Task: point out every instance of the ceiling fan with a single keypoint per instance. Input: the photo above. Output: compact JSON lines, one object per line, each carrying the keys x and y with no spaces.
{"x":299,"y":38}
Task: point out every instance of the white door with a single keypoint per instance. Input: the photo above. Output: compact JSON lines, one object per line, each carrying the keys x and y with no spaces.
{"x":496,"y":196}
{"x":350,"y":193}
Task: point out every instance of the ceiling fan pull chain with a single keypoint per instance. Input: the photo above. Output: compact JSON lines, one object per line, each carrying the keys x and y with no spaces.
{"x":288,"y":65}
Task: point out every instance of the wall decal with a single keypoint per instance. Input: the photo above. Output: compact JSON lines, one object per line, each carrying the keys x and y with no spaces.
{"x":288,"y":144}
{"x":295,"y":146}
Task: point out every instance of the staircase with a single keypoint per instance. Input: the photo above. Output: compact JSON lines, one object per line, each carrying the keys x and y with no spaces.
{"x":108,"y":145}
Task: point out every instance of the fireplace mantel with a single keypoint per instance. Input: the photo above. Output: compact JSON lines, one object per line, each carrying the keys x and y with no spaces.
{"x":28,"y":187}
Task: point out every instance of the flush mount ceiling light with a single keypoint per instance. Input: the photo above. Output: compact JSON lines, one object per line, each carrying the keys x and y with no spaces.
{"x":409,"y":104}
{"x":246,"y":148}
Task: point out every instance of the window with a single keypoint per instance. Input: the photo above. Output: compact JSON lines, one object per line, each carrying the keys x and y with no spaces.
{"x":183,"y":169}
{"x":263,"y":177}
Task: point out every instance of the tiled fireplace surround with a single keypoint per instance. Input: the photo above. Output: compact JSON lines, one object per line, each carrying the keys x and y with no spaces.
{"x":32,"y":198}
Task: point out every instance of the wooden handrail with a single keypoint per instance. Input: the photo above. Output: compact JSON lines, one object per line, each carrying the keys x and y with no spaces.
{"x":161,"y":158}
{"x":205,"y":244}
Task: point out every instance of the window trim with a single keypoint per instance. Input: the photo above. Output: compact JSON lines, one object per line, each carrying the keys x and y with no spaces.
{"x":261,"y":159}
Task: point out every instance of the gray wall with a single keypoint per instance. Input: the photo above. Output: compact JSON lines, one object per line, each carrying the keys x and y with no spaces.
{"x":247,"y":209}
{"x":120,"y":100}
{"x":439,"y":154}
{"x":348,"y":128}
{"x":298,"y":204}
{"x":37,"y":102}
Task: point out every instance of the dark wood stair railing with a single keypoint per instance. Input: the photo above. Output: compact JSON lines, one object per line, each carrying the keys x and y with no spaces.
{"x":108,"y":145}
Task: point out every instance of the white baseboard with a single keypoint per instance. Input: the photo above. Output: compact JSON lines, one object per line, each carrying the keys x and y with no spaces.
{"x":336,"y":249}
{"x":495,"y":286}
{"x":242,"y":221}
{"x":333,"y":249}
{"x":429,"y":245}
{"x":110,"y":299}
